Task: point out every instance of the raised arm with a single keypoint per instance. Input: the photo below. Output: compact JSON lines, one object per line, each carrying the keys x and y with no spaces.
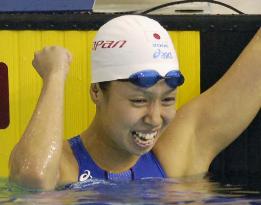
{"x":34,"y":162}
{"x":233,"y":102}
{"x":209,"y":123}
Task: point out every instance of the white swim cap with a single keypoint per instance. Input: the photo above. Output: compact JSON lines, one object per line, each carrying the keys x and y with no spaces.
{"x":129,"y":44}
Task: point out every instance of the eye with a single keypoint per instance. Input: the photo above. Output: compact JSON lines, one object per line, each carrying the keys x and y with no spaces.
{"x":139,"y":101}
{"x":168,"y":101}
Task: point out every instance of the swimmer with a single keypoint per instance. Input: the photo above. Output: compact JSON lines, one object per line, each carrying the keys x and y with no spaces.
{"x":136,"y":132}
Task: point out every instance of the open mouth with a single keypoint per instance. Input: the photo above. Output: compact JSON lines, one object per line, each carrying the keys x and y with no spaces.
{"x":144,"y":139}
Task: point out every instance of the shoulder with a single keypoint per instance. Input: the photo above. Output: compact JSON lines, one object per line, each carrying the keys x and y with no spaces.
{"x":68,"y":165}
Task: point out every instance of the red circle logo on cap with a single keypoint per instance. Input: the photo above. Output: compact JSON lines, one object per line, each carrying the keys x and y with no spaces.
{"x":157,"y":36}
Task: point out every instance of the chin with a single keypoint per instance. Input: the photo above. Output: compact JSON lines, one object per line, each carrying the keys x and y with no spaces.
{"x":141,"y":151}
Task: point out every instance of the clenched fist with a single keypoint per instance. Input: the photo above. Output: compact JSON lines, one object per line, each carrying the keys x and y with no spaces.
{"x":52,"y":60}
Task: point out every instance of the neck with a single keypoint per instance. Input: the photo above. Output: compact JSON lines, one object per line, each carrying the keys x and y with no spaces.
{"x":104,"y":152}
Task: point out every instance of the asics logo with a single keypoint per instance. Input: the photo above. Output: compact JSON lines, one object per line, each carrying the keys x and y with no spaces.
{"x":86,"y":175}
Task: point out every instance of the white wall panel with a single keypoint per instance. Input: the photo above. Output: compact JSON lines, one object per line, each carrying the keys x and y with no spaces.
{"x":246,"y":6}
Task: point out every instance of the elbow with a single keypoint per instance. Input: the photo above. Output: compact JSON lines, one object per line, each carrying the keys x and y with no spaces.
{"x":26,"y":173}
{"x":32,"y":179}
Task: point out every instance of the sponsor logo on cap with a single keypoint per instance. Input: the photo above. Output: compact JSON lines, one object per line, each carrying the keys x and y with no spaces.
{"x":108,"y":44}
{"x":162,"y":54}
{"x":160,"y":45}
{"x":157,"y":36}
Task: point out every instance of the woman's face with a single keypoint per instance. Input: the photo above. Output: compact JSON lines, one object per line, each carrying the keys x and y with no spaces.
{"x":132,"y":118}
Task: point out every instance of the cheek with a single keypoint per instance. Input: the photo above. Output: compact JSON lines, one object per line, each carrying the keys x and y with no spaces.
{"x":169,"y":115}
{"x":123,"y":115}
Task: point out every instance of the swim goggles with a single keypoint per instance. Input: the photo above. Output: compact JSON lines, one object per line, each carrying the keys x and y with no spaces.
{"x":148,"y":78}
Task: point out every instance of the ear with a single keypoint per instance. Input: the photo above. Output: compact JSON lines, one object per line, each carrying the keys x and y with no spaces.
{"x":95,"y":92}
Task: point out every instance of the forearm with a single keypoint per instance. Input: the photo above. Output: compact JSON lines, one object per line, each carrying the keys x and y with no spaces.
{"x":35,"y":160}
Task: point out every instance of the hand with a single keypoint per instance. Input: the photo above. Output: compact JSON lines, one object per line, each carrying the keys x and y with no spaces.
{"x":52,"y":60}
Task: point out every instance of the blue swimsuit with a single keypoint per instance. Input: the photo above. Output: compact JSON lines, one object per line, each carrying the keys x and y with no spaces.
{"x":146,"y":166}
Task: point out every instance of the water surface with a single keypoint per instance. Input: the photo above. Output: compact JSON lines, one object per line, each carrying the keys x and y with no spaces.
{"x":146,"y":191}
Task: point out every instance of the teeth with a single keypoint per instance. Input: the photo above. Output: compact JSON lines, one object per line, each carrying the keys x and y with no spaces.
{"x":143,"y":143}
{"x":145,"y":136}
{"x":144,"y":139}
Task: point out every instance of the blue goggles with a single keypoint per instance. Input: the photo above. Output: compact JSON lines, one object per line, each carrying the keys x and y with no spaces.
{"x":148,"y":78}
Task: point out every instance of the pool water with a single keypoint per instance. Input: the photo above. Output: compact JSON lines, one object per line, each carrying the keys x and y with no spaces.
{"x":146,"y":191}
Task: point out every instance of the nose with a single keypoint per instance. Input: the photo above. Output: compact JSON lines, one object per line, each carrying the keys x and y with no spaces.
{"x":153,"y":115}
